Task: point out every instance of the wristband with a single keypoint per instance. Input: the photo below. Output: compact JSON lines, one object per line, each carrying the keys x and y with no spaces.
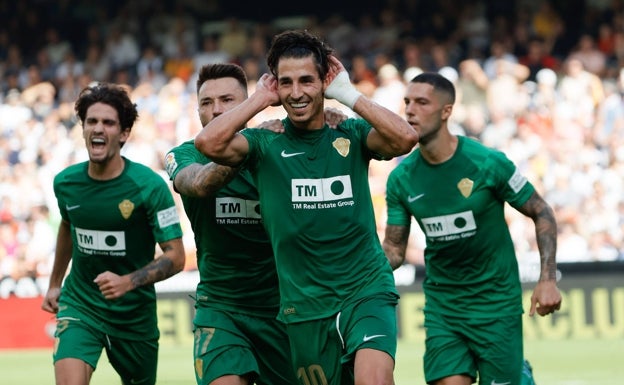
{"x":342,"y":90}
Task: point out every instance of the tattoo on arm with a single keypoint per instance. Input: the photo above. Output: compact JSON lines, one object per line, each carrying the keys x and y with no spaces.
{"x":395,"y":244}
{"x":159,"y":269}
{"x":203,"y":180}
{"x":545,"y":232}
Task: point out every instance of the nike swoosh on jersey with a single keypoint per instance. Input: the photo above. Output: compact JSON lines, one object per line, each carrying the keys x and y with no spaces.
{"x":288,"y":155}
{"x":411,"y":199}
{"x":499,"y":383}
{"x":368,"y":338}
{"x":70,"y":208}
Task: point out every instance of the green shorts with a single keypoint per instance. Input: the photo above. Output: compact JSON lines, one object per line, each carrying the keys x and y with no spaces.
{"x":489,"y":348}
{"x":324,"y":350}
{"x":134,"y":361}
{"x":227,"y":343}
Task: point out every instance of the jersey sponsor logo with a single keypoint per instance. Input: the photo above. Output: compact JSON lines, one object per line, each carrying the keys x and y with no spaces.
{"x":70,"y":208}
{"x":237,"y":211}
{"x":412,"y":199}
{"x":321,"y":190}
{"x":291,"y":154}
{"x":368,"y":338}
{"x":126,"y":208}
{"x":100,"y":242}
{"x":450,"y":227}
{"x":342,"y":146}
{"x":517,"y":181}
{"x":168,"y":217}
{"x":170,"y":163}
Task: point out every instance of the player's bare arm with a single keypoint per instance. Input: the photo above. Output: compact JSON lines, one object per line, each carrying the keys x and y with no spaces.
{"x":391,"y":134}
{"x":546,"y":234}
{"x":200,"y":181}
{"x":169,"y":263}
{"x":62,"y":257}
{"x":546,"y":298}
{"x":395,"y":244}
{"x":220,"y":141}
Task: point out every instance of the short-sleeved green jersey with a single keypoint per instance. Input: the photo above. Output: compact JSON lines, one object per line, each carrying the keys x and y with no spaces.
{"x":115,"y":225}
{"x":471,"y":267}
{"x":234,"y":255}
{"x":317,"y":209}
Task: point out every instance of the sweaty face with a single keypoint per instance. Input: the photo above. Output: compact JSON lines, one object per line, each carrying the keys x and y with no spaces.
{"x":301,"y":90}
{"x":424,"y":110}
{"x":103,"y":133}
{"x":217,"y":96}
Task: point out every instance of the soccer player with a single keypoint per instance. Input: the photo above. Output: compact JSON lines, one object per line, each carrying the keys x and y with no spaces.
{"x":456,"y":189}
{"x":337,"y":292}
{"x":114,"y":211}
{"x":238,"y":339}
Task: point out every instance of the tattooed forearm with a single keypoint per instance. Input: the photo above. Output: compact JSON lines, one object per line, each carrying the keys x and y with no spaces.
{"x":203,"y":180}
{"x":545,"y":233}
{"x":157,"y":270}
{"x":163,"y":267}
{"x":395,"y":244}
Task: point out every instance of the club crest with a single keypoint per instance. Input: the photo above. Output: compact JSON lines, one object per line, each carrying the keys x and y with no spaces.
{"x":465,"y":187}
{"x":126,"y":207}
{"x":342,"y":146}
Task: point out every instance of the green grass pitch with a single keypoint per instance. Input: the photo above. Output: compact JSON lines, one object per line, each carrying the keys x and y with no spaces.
{"x":555,"y":362}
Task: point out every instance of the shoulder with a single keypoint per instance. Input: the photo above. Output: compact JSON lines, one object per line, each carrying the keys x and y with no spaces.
{"x":74,"y":171}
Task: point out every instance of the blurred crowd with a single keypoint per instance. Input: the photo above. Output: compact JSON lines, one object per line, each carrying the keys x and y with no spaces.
{"x":540,"y":80}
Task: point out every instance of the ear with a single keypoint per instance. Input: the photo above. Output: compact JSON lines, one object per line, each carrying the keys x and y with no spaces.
{"x":447,"y":110}
{"x":124,"y":135}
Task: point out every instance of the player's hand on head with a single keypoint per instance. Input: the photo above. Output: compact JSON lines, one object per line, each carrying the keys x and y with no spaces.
{"x":267,"y":86}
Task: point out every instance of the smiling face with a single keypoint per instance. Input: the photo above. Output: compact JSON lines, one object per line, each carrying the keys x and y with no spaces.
{"x":103,"y":133}
{"x":217,"y":96}
{"x":301,"y":91}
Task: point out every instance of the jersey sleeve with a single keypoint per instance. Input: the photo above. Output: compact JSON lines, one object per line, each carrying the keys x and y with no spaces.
{"x":512,"y":186}
{"x":396,"y":210}
{"x":258,"y":140}
{"x":182,"y":156}
{"x":161,"y":209}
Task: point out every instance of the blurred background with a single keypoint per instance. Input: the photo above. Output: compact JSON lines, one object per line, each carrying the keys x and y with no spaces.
{"x":540,"y":80}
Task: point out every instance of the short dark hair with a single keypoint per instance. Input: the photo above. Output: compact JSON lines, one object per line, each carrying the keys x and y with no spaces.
{"x":222,"y":70}
{"x":112,"y":94}
{"x":439,"y":83}
{"x":299,"y":44}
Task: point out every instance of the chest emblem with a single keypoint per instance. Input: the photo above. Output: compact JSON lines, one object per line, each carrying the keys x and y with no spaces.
{"x":126,"y":207}
{"x":465,"y":187}
{"x":342,"y":146}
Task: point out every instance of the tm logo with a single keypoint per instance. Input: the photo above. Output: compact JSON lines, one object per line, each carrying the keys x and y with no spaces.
{"x":321,"y":190}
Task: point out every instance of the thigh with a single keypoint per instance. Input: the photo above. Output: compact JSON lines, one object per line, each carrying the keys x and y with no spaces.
{"x":221,"y":348}
{"x":370,"y":323}
{"x":75,"y":339}
{"x":497,"y":344}
{"x":447,"y":352}
{"x":370,"y":330}
{"x":136,"y":362}
{"x":271,"y":348}
{"x":317,"y":351}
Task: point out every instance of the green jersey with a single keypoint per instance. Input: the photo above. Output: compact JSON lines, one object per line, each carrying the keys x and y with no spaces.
{"x":471,"y":267}
{"x":234,"y":255}
{"x":115,"y":225}
{"x":318,"y":212}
